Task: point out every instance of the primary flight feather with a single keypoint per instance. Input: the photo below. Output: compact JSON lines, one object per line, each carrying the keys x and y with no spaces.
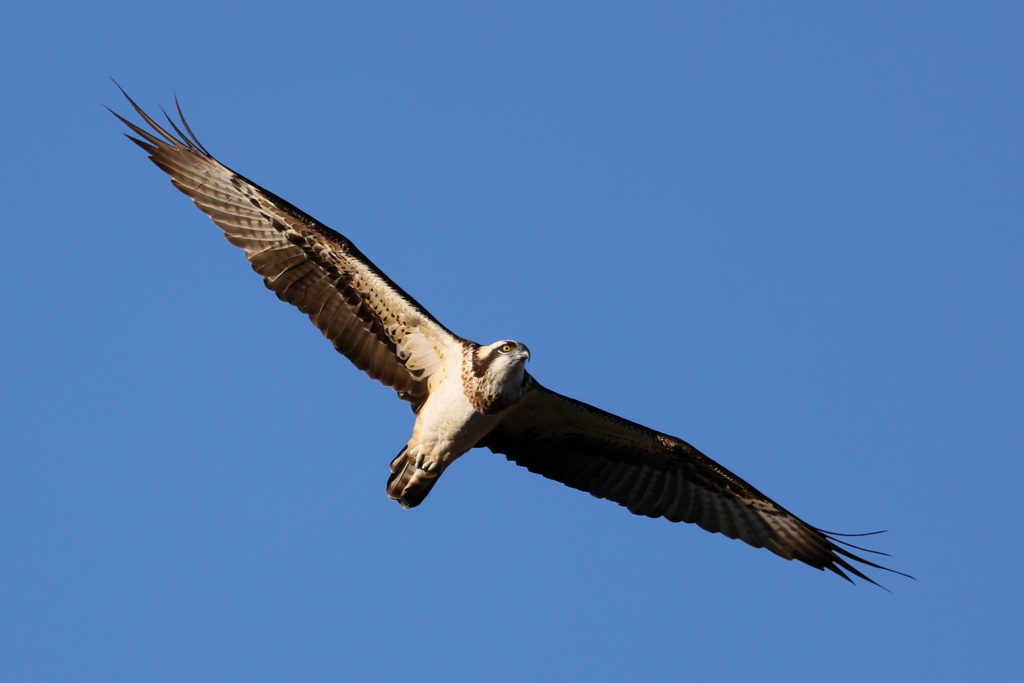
{"x":466,"y":395}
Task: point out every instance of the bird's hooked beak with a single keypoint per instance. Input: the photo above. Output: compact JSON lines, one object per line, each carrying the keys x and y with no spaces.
{"x":525,"y":353}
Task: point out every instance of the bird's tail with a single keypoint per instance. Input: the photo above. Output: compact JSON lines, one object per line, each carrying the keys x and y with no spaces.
{"x":408,"y":484}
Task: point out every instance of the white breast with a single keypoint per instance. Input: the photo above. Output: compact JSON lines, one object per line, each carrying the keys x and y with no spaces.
{"x":447,"y":425}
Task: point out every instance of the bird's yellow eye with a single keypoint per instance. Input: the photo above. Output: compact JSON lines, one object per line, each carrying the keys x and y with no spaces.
{"x":506,"y":348}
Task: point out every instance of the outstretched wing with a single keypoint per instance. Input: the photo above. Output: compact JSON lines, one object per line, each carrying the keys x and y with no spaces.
{"x":370,"y":320}
{"x":656,"y":475}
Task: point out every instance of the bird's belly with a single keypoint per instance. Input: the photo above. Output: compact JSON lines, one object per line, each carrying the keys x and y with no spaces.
{"x":446,"y":429}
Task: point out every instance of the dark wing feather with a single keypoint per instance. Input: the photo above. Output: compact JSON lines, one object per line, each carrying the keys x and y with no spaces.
{"x":656,"y":475}
{"x":370,"y":320}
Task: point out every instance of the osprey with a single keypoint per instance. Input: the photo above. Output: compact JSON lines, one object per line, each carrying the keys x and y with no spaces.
{"x":466,"y":395}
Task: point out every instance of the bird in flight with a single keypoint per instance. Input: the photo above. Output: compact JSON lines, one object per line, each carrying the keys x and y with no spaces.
{"x":467,"y":395}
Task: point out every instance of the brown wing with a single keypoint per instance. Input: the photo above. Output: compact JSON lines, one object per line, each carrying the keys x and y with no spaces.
{"x":656,"y":475}
{"x":370,"y":320}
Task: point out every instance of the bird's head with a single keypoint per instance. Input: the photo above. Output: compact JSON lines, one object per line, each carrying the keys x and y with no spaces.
{"x":501,"y":361}
{"x":508,"y":352}
{"x":498,"y":377}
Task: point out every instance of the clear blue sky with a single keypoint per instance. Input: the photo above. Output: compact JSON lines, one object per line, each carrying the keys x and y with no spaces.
{"x":791,"y":235}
